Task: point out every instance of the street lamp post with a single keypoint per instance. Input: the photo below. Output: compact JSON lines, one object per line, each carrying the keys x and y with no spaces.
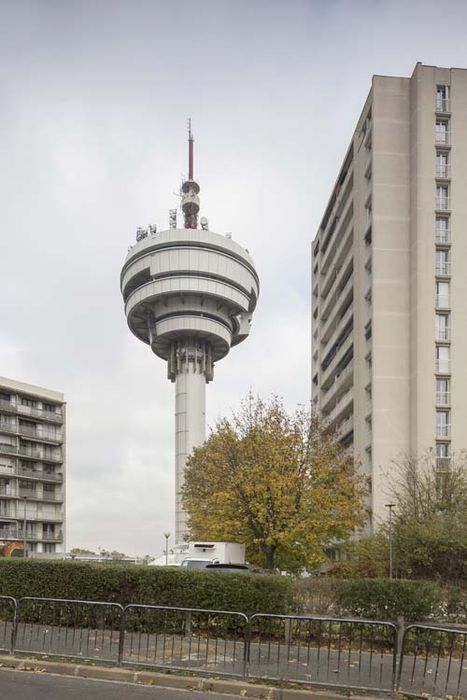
{"x":166,"y":535}
{"x":390,"y":506}
{"x":25,"y":550}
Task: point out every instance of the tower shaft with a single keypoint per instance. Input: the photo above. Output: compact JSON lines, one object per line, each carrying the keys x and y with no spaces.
{"x":193,"y":366}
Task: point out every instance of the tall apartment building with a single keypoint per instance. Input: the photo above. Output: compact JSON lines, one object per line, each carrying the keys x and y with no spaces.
{"x":389,"y":279}
{"x":32,"y":466}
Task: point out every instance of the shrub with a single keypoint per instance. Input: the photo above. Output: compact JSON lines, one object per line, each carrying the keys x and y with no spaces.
{"x":387,"y":599}
{"x":126,"y":584}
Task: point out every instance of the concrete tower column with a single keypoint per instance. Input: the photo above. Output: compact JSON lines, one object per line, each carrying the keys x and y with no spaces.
{"x":191,"y":359}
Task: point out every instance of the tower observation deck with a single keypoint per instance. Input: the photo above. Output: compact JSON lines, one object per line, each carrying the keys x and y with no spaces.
{"x":190,"y":294}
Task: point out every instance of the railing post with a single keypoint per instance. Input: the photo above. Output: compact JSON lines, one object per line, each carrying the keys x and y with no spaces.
{"x":14,"y":626}
{"x":121,"y":639}
{"x":398,"y":652}
{"x":188,"y":624}
{"x":246,"y":649}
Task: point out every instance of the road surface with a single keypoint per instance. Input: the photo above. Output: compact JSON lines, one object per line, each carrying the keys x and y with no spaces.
{"x":22,"y":685}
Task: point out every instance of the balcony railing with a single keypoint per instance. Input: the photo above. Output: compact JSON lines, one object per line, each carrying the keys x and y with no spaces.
{"x":443,"y":268}
{"x":443,"y":138}
{"x":443,"y":366}
{"x":443,"y":104}
{"x":442,"y":301}
{"x":443,"y":431}
{"x":443,"y":334}
{"x":443,"y":203}
{"x":10,"y":449}
{"x":39,"y":413}
{"x":38,"y":454}
{"x":443,"y":170}
{"x":28,"y":474}
{"x":443,"y":463}
{"x":37,"y":433}
{"x":443,"y":235}
{"x":7,"y":405}
{"x":8,"y":427}
{"x":443,"y":398}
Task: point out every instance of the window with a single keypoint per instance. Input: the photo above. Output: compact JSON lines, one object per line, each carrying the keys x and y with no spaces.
{"x":442,"y":164}
{"x":27,"y":485}
{"x":442,"y":295}
{"x":48,"y":407}
{"x":27,"y":402}
{"x":443,"y":394}
{"x":442,"y":424}
{"x":442,"y":449}
{"x":442,"y":359}
{"x":48,"y":489}
{"x":4,"y":397}
{"x":442,"y":327}
{"x":442,"y":229}
{"x":48,"y":547}
{"x":442,"y":131}
{"x":442,"y":98}
{"x":442,"y":262}
{"x":442,"y":197}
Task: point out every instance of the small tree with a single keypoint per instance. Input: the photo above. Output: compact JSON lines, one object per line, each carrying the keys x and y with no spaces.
{"x":279,"y":483}
{"x":430,"y":523}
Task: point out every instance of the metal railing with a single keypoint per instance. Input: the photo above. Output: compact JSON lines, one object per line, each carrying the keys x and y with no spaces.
{"x":443,"y":104}
{"x":432,"y":661}
{"x":443,"y":137}
{"x":443,"y":235}
{"x":347,"y":653}
{"x":72,"y":628}
{"x":443,"y":170}
{"x":185,"y":639}
{"x":443,"y":268}
{"x":443,"y":203}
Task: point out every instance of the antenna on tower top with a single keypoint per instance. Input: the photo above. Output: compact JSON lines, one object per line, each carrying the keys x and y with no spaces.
{"x":190,"y":151}
{"x":190,"y":189}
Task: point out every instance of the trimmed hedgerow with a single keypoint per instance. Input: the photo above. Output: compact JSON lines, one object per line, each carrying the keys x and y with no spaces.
{"x":387,"y":599}
{"x":126,"y":584}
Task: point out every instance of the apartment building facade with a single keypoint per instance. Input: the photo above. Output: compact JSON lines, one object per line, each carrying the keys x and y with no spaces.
{"x":32,"y":467}
{"x":389,"y":290}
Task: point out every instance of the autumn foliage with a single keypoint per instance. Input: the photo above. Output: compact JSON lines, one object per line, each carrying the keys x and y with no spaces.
{"x":279,"y":483}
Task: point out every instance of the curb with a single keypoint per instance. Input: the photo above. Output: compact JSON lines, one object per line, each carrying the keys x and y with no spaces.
{"x":165,"y":680}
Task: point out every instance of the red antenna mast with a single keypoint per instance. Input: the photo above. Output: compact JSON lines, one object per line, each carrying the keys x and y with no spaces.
{"x":190,"y":151}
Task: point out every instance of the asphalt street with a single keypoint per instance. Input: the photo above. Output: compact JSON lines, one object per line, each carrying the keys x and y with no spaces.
{"x":22,"y":685}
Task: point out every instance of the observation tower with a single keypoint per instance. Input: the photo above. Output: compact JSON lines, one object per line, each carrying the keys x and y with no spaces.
{"x":190,"y":294}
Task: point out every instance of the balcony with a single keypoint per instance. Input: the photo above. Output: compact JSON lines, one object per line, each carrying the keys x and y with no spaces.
{"x":443,"y":203}
{"x":443,"y":431}
{"x":443,"y":463}
{"x":442,"y":137}
{"x":55,"y":417}
{"x":443,"y":236}
{"x":7,"y":406}
{"x":38,"y":454}
{"x":443,"y":335}
{"x":442,"y":301}
{"x":39,"y":434}
{"x":345,"y":427}
{"x":443,"y":366}
{"x":41,"y":476}
{"x":8,"y":449}
{"x":8,"y":427}
{"x":443,"y":398}
{"x":443,"y":170}
{"x":443,"y":269}
{"x":443,"y":105}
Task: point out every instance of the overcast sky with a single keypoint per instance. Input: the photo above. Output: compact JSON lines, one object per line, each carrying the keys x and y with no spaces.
{"x":94,"y":97}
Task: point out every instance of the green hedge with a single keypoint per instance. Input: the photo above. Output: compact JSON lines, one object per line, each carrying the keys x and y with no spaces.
{"x":145,"y":584}
{"x":387,"y":599}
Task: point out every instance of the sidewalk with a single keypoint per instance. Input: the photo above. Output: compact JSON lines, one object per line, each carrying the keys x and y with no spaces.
{"x":168,"y":680}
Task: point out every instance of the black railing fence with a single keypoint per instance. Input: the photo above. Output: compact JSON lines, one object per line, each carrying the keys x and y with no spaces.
{"x":348,"y":653}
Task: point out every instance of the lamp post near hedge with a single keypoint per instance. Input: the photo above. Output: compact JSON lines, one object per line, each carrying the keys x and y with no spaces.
{"x":166,"y":535}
